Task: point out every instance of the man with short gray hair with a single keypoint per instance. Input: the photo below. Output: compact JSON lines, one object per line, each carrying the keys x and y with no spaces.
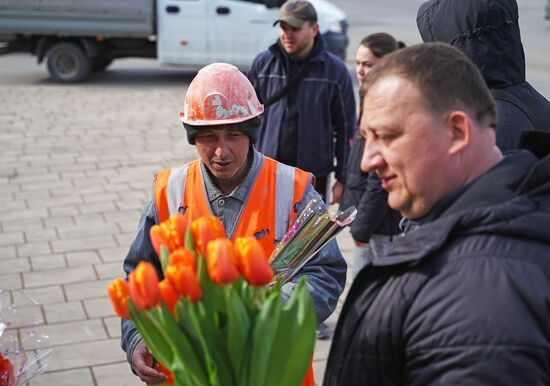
{"x":463,"y":298}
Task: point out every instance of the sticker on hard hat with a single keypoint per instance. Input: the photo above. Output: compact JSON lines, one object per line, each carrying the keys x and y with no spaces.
{"x":235,"y":110}
{"x":251,"y":107}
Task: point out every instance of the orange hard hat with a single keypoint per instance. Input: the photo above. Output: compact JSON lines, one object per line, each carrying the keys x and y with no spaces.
{"x":220,"y":95}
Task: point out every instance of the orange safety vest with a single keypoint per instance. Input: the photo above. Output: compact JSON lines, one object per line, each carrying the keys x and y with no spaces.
{"x":267,"y":213}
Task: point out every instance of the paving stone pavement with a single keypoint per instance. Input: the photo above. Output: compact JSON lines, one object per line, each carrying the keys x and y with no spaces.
{"x":76,"y":166}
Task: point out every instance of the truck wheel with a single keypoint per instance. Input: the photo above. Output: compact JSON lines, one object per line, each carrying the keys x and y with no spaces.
{"x":100,"y":63}
{"x":67,"y":63}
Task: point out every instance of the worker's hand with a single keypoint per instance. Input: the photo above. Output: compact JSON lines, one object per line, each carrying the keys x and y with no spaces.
{"x":337,"y":190}
{"x":142,"y":363}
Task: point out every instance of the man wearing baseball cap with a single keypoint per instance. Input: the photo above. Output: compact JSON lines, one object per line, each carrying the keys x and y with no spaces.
{"x":309,"y":102}
{"x":308,"y":97}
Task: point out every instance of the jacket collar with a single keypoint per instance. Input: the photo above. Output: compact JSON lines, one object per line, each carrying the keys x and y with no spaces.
{"x":490,"y":203}
{"x":319,"y":47}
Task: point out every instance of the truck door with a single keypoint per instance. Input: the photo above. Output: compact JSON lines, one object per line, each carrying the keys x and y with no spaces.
{"x":240,"y":29}
{"x":182,"y":32}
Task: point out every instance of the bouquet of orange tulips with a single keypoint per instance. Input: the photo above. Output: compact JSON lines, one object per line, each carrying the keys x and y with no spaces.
{"x":212,"y":320}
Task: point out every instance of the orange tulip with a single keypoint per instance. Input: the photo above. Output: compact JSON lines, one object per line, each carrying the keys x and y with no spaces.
{"x":118,"y":292}
{"x":183,"y":257}
{"x":185,"y":281}
{"x":220,"y":261}
{"x":144,"y":286}
{"x":168,"y":294}
{"x":205,"y":229}
{"x":170,"y":233}
{"x":253,"y":261}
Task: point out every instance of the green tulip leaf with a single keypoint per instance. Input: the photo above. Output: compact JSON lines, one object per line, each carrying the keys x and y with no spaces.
{"x":295,"y":339}
{"x":185,"y":352}
{"x":189,"y":240}
{"x":262,"y":339}
{"x":155,"y":337}
{"x":238,"y":330}
{"x":164,"y":257}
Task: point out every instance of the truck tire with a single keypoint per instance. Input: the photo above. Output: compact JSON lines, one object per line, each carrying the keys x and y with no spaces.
{"x":68,"y":63}
{"x":100,"y":63}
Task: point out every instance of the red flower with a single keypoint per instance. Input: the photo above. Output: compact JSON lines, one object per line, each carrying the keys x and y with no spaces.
{"x":221,"y":262}
{"x":206,"y":229}
{"x":119,"y":291}
{"x":185,"y":281}
{"x":144,"y":286}
{"x":170,"y":233}
{"x":252,"y":261}
{"x":7,"y":377}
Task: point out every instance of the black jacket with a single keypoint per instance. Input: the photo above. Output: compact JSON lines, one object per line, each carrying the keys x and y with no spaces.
{"x":364,"y":191}
{"x":487,"y":31}
{"x":463,"y":299}
{"x":325,"y":109}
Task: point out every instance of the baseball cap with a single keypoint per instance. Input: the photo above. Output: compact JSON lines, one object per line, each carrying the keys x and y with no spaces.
{"x":296,"y":13}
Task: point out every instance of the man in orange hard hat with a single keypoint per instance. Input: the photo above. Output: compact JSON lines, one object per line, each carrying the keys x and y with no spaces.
{"x":253,"y":195}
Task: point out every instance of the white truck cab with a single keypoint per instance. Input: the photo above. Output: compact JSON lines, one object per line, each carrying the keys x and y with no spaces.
{"x":232,"y":31}
{"x":78,"y":37}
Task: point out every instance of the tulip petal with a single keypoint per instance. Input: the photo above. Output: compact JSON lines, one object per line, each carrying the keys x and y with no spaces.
{"x":253,"y":261}
{"x":183,"y":257}
{"x":206,"y":229}
{"x":170,"y":233}
{"x":119,"y":291}
{"x":144,"y":290}
{"x":168,"y":294}
{"x":185,"y":281}
{"x":220,"y":261}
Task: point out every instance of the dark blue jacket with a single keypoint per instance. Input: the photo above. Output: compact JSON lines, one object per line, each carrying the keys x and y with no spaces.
{"x":463,"y":299}
{"x":325,"y":115}
{"x":487,"y":31}
{"x":364,"y":191}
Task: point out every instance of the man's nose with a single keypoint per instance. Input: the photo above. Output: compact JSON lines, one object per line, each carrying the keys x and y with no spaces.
{"x":371,"y":159}
{"x":221,"y":149}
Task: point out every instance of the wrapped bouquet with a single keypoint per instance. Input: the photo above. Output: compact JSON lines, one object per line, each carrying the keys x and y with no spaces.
{"x":313,"y":228}
{"x":212,"y":320}
{"x":24,"y":353}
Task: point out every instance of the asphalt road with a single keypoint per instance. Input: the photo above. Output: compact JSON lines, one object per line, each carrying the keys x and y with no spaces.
{"x":397,"y":17}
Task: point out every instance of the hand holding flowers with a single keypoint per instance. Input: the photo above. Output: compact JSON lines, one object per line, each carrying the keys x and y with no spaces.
{"x":211,"y":320}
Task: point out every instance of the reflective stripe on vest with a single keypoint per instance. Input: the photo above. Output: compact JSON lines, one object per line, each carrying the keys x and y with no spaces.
{"x":266,"y":214}
{"x":169,"y":184}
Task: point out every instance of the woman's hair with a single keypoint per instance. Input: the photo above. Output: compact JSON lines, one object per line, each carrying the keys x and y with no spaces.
{"x":381,"y":44}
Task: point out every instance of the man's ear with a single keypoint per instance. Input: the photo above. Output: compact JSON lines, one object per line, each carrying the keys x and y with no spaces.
{"x":315,"y":29}
{"x":460,"y":128}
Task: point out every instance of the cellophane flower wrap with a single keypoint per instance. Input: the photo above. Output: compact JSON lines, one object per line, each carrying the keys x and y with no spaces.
{"x":312,"y":229}
{"x":24,"y":351}
{"x":212,"y":320}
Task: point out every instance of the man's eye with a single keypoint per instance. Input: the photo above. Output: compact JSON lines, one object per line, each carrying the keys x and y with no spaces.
{"x":205,"y":137}
{"x":383,"y":137}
